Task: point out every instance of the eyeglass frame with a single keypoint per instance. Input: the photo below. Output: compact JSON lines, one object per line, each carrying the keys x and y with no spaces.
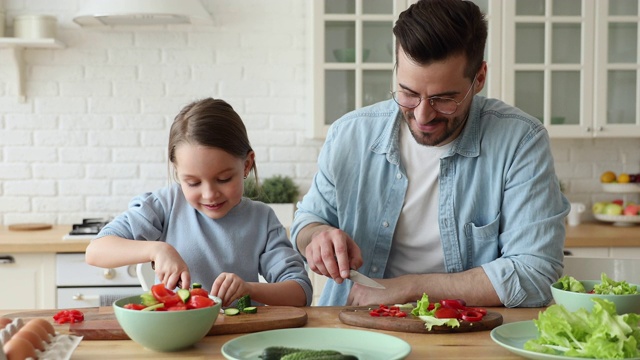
{"x":430,"y":98}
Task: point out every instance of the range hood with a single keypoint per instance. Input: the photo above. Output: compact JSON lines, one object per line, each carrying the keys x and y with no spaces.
{"x":142,"y":12}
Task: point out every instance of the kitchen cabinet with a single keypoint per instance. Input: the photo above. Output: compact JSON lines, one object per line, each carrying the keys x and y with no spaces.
{"x":28,"y":281}
{"x":353,"y":55}
{"x":16,"y":46}
{"x":574,"y":65}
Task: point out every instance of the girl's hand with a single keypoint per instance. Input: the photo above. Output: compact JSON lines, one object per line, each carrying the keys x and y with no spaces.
{"x":171,"y":270}
{"x":229,"y":287}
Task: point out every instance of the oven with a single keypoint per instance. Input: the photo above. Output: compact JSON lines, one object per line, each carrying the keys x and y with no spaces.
{"x":81,"y":285}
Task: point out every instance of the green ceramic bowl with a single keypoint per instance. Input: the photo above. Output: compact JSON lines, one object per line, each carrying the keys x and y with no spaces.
{"x":165,"y":330}
{"x":574,"y":301}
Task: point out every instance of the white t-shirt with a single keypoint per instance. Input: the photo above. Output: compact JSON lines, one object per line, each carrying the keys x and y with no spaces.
{"x":417,"y":248}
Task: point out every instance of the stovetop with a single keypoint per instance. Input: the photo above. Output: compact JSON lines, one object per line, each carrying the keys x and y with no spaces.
{"x":87,"y":229}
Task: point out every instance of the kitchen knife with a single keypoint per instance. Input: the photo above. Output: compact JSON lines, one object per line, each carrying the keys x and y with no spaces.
{"x":364,"y":280}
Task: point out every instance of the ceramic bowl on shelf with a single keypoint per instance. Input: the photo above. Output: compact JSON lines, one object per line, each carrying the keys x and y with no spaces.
{"x":621,"y":188}
{"x":165,"y":330}
{"x":619,"y":220}
{"x":575,"y":300}
{"x":348,"y":55}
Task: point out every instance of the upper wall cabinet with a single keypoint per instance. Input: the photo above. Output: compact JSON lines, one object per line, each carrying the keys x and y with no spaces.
{"x":352,"y":57}
{"x":574,"y":65}
{"x":354,"y":51}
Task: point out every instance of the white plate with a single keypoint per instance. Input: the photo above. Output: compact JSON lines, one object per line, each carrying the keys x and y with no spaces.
{"x":512,"y":337}
{"x":619,"y":220}
{"x":621,"y":188}
{"x":361,"y":343}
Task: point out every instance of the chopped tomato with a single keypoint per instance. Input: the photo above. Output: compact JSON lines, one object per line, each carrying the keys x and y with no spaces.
{"x":164,"y":295}
{"x":178,"y":307}
{"x":68,"y":316}
{"x":198,"y":302}
{"x":453,"y":304}
{"x":134,"y":306}
{"x":199,"y":291}
{"x":477,"y":309}
{"x":447,"y":313}
{"x":387,"y":311}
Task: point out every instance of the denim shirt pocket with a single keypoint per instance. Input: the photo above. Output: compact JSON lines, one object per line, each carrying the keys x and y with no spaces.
{"x":482,"y":242}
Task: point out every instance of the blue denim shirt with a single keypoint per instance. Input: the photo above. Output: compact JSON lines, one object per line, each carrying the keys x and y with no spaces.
{"x":500,"y":202}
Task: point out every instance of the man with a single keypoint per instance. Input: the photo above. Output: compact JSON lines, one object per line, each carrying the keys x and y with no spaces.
{"x":436,"y":191}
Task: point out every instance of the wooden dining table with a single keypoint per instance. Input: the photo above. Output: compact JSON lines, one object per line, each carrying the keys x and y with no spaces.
{"x":477,"y":344}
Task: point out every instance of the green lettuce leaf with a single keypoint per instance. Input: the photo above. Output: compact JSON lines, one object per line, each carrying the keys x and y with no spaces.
{"x":569,"y":283}
{"x":431,"y":321}
{"x":601,"y":333}
{"x":609,"y":286}
{"x":422,"y":308}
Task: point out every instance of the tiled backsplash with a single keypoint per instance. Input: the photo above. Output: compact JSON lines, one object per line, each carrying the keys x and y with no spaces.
{"x":94,"y":128}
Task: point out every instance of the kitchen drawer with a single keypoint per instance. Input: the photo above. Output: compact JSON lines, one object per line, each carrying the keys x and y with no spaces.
{"x":79,"y":297}
{"x":72,"y":270}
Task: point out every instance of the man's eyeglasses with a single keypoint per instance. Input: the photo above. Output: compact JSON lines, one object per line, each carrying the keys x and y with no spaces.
{"x":446,"y":106}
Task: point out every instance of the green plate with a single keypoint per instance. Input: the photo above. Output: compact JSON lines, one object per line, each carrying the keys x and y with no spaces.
{"x":512,"y":337}
{"x":361,"y":343}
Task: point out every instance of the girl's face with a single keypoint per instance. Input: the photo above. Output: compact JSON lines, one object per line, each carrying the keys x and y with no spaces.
{"x":212,"y":180}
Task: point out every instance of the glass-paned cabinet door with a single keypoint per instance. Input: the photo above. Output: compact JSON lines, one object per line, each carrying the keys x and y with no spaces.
{"x":353,"y":56}
{"x":617,"y":69}
{"x":353,"y":53}
{"x":548,"y":54}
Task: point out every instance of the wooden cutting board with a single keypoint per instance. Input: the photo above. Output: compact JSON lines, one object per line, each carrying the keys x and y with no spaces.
{"x":360,"y":317}
{"x":101,"y":324}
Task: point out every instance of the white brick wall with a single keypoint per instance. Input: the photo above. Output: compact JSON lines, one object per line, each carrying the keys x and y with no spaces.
{"x":93,"y":131}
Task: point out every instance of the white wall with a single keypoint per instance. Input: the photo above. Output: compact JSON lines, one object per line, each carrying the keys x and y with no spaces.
{"x":94,"y":128}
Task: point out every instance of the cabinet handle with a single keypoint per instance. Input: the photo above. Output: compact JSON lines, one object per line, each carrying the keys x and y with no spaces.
{"x":80,"y":297}
{"x":600,"y":128}
{"x":7,"y":259}
{"x":588,"y":128}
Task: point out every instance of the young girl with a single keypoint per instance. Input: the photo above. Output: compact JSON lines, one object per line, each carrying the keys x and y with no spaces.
{"x":201,"y":229}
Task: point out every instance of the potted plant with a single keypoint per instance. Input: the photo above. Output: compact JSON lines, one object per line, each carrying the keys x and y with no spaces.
{"x":279,"y":192}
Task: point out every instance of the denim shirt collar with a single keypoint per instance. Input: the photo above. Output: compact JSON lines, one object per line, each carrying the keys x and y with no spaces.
{"x":466,"y":144}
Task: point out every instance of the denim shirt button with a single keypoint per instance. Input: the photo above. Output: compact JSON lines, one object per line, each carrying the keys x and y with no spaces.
{"x":398,"y":176}
{"x":385,"y":224}
{"x":374,"y":269}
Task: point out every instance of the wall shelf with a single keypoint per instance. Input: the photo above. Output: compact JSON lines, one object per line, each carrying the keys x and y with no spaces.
{"x":16,"y":46}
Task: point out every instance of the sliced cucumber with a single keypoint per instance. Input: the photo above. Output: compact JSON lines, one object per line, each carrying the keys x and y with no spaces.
{"x":184,"y":294}
{"x":250,"y":310}
{"x":153,"y":307}
{"x":196,"y":285}
{"x":231,"y":311}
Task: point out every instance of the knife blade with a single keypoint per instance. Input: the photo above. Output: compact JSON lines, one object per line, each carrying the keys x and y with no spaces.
{"x":364,"y":280}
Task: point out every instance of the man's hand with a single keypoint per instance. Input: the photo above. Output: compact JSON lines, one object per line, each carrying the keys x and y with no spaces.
{"x":332,"y":253}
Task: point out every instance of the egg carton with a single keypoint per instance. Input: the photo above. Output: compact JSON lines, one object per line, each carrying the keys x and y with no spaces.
{"x":60,"y":348}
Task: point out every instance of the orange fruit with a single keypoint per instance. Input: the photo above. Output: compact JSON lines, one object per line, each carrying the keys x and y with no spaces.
{"x":624,"y":178}
{"x":608,"y":177}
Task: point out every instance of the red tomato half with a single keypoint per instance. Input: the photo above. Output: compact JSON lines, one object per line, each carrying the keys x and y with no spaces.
{"x":198,"y":302}
{"x":134,"y":306}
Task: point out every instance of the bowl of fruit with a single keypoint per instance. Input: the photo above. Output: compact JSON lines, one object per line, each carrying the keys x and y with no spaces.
{"x":575,"y":294}
{"x":618,"y":212}
{"x":165,"y":320}
{"x":620,"y":183}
